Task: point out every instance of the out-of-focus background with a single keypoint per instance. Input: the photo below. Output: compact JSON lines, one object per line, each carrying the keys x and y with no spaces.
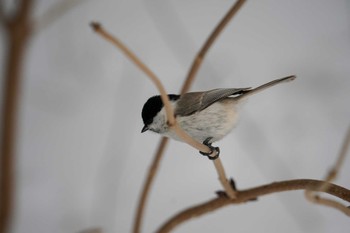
{"x":81,"y":159}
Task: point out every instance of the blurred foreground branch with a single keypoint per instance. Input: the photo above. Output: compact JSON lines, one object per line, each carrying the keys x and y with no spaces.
{"x":17,"y":31}
{"x":19,"y":27}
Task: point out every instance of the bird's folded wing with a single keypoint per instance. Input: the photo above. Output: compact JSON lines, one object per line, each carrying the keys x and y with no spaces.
{"x":196,"y":101}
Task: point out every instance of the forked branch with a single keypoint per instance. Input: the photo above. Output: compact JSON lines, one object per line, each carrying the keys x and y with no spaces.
{"x":251,"y":194}
{"x":314,"y":196}
{"x":161,"y":148}
{"x":174,"y":126}
{"x":312,"y":188}
{"x":186,"y":86}
{"x":164,"y":96}
{"x":242,"y":196}
{"x":198,"y":60}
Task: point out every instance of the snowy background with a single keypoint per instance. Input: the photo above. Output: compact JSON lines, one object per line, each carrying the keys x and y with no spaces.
{"x":81,"y":159}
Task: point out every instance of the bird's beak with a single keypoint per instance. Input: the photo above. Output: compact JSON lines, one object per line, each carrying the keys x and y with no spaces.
{"x":144,"y":129}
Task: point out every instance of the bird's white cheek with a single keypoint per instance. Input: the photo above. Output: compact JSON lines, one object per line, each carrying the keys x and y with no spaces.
{"x":159,"y":124}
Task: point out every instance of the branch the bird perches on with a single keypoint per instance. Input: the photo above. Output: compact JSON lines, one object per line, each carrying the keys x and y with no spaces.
{"x":230,"y":195}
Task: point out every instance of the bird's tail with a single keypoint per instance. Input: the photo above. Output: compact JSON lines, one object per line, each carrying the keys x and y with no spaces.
{"x":250,"y":92}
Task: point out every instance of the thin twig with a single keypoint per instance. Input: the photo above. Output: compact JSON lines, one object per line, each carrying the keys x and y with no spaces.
{"x":164,"y":96}
{"x":17,"y":30}
{"x":251,"y":194}
{"x":147,"y":185}
{"x":106,"y":35}
{"x":317,"y":199}
{"x":3,"y":18}
{"x":198,"y":60}
{"x":331,"y":176}
{"x":223,"y":180}
{"x":186,"y":86}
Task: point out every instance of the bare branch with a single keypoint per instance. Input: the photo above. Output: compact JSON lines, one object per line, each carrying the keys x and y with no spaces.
{"x":223,"y":180}
{"x":317,"y":199}
{"x":164,"y":96}
{"x":164,"y":141}
{"x":193,"y":72}
{"x":249,"y":194}
{"x":332,"y":175}
{"x":209,"y":42}
{"x":3,"y":19}
{"x":18,"y":33}
{"x":106,"y":35}
{"x":171,"y":120}
{"x":23,"y":11}
{"x":147,"y":185}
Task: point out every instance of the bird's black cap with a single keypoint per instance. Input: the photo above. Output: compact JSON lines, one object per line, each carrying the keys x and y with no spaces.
{"x":152,"y":107}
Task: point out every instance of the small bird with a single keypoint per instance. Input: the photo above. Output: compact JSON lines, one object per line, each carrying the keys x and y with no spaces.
{"x":206,"y":116}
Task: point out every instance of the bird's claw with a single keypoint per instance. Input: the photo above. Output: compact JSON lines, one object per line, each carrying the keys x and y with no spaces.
{"x":213,"y":150}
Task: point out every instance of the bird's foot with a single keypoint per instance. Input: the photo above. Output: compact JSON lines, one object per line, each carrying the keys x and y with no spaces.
{"x":214,"y":151}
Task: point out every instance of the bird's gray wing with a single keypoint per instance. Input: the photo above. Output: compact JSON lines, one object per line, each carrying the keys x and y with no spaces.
{"x":196,"y":101}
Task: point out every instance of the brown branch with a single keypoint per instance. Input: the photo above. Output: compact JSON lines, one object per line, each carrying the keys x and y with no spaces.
{"x":23,"y":12}
{"x":317,"y":199}
{"x":171,"y":119}
{"x":332,"y":175}
{"x":188,"y":82}
{"x":148,"y":183}
{"x":18,"y":32}
{"x":223,"y":180}
{"x":249,"y":194}
{"x":106,"y":35}
{"x":186,"y":86}
{"x":314,"y":197}
{"x":3,"y":18}
{"x":207,"y":45}
{"x":164,"y":96}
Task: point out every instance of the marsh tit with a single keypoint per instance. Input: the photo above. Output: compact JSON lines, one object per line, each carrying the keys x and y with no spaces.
{"x":206,"y":116}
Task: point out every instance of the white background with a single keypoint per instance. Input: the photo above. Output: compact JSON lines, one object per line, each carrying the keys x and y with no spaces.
{"x":81,"y":159}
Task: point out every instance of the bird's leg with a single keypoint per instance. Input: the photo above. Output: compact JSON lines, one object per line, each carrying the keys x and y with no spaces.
{"x":213,"y":149}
